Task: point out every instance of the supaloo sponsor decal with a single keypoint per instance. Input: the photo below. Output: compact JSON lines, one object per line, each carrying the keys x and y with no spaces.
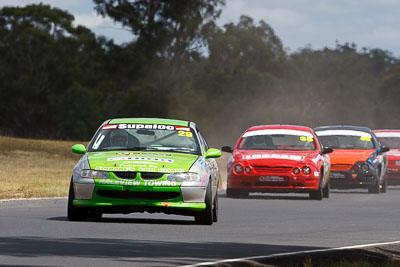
{"x":136,"y":182}
{"x":274,"y":156}
{"x":145,"y":126}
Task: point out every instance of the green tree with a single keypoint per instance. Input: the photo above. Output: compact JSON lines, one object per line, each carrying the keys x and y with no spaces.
{"x":78,"y":114}
{"x":42,"y":55}
{"x":172,"y":30}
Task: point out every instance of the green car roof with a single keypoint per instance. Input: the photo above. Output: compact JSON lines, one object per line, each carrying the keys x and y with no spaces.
{"x":149,"y":121}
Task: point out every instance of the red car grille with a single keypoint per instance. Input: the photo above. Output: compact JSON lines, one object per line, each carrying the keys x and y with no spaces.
{"x":338,"y":167}
{"x":277,"y":184}
{"x":279,"y":169}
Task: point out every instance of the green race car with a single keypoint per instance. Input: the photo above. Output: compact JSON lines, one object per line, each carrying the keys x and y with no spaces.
{"x":138,"y":165}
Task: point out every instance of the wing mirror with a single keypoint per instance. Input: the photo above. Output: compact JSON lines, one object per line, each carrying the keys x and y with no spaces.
{"x":384,"y":149}
{"x":227,"y":149}
{"x":327,"y":150}
{"x":213,"y":153}
{"x":78,"y":149}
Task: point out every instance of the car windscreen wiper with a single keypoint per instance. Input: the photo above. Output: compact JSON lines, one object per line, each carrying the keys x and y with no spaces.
{"x":182,"y":149}
{"x":358,"y":147}
{"x":136,"y":148}
{"x":173,"y":149}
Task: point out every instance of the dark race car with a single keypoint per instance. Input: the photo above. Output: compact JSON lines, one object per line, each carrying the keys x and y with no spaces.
{"x":358,"y":159}
{"x":391,"y":138}
{"x":278,"y":158}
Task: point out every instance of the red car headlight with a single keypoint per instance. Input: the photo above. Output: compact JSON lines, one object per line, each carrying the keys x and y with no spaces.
{"x":306,"y":170}
{"x":238,"y":168}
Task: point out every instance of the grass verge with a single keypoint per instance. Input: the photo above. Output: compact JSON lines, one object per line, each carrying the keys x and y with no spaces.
{"x":35,"y":168}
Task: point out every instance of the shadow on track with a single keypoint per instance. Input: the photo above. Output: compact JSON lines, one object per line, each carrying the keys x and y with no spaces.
{"x":349,"y":191}
{"x":279,"y":197}
{"x":132,"y":221}
{"x":130,"y":250}
{"x":271,"y":196}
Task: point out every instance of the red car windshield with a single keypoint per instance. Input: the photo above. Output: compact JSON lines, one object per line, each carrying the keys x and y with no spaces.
{"x":392,"y":142}
{"x":277,"y":139}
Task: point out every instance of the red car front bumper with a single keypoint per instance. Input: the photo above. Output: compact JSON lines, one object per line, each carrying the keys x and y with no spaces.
{"x":393,"y":174}
{"x":273,"y":182}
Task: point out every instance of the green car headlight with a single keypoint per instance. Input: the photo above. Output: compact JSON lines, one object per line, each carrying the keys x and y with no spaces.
{"x":93,"y":174}
{"x":184,"y":177}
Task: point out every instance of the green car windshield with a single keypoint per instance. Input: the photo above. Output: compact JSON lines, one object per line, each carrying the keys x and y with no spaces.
{"x":181,"y":141}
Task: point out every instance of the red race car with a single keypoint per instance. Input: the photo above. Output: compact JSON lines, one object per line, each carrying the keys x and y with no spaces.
{"x":278,"y":158}
{"x":391,"y":138}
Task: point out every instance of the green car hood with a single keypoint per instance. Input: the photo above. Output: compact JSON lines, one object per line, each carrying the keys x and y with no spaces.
{"x":141,"y":161}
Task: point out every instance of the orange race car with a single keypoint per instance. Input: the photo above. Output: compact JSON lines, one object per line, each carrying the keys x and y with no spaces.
{"x":391,"y":138}
{"x":358,"y":159}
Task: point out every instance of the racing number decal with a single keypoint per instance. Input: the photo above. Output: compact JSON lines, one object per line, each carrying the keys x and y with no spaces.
{"x":304,"y":138}
{"x":183,"y":133}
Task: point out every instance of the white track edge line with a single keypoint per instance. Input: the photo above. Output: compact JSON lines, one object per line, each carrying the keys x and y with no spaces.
{"x":27,"y":199}
{"x":292,"y":253}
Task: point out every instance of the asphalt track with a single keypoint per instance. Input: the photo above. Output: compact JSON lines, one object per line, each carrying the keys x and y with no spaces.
{"x":37,"y":232}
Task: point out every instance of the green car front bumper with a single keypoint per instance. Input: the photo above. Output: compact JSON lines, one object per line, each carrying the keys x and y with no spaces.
{"x":128,"y":199}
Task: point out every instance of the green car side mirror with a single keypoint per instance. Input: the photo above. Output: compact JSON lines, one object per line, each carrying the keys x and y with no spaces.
{"x":78,"y":149}
{"x":213,"y":153}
